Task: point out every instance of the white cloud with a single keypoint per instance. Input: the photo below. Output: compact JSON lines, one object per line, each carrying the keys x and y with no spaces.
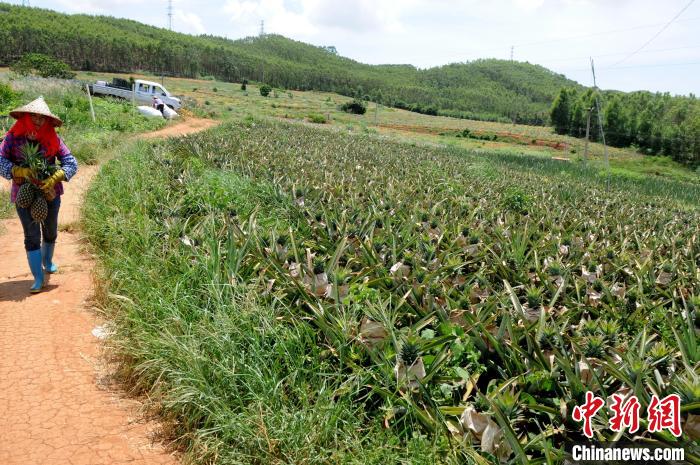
{"x":188,"y":22}
{"x":93,"y":6}
{"x":247,"y":14}
{"x":310,"y":17}
{"x":357,"y":15}
{"x":528,"y":4}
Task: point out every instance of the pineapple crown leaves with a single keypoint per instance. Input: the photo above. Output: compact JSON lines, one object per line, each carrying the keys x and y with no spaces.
{"x":409,"y":352}
{"x":34,"y":160}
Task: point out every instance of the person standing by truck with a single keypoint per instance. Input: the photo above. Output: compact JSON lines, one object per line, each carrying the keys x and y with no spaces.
{"x":36,"y":124}
{"x":158,"y":104}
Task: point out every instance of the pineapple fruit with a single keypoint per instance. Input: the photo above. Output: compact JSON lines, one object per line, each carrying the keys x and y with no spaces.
{"x":30,"y":195}
{"x":40,"y":209}
{"x":26,"y":195}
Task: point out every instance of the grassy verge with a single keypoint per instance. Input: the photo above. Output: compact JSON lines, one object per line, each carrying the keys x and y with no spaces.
{"x":6,"y":208}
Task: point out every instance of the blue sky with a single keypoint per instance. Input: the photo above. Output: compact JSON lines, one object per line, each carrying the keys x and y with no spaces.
{"x":558,"y":34}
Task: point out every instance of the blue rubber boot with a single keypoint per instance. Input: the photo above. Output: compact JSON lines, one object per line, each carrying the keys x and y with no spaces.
{"x":34,"y":259}
{"x":47,"y":256}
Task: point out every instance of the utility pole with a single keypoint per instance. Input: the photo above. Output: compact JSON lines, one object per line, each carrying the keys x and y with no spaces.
{"x":600,"y":123}
{"x":262,"y":28}
{"x":512,"y":49}
{"x":92,"y":109}
{"x":170,"y":28}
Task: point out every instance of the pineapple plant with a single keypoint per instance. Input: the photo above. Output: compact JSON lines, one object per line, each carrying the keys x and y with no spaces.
{"x":594,"y":347}
{"x":610,"y":331}
{"x":409,"y":368}
{"x":409,"y":353}
{"x":534,"y":297}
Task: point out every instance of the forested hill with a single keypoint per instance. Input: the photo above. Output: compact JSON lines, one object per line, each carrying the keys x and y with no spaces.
{"x":484,"y":89}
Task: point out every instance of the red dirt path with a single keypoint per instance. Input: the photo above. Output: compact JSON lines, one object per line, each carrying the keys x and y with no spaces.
{"x":53,"y":407}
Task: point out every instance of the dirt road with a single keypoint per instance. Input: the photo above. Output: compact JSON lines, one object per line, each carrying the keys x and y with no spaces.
{"x":55,"y":409}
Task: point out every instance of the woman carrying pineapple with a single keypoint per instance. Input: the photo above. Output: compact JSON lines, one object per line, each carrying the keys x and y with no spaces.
{"x":28,"y":156}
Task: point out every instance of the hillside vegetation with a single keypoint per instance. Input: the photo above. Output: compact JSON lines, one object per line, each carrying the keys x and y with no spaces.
{"x":484,"y":89}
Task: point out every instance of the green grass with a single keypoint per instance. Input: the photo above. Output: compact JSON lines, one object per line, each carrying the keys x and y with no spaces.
{"x":210,"y":248}
{"x":6,"y":208}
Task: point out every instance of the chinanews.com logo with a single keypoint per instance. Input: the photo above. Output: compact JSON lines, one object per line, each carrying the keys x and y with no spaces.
{"x":624,"y":453}
{"x":662,"y":415}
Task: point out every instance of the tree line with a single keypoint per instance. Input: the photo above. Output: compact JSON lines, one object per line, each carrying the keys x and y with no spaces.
{"x":656,"y":123}
{"x":483,"y":89}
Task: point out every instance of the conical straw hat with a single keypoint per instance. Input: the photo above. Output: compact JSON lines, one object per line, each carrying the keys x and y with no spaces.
{"x":37,"y":107}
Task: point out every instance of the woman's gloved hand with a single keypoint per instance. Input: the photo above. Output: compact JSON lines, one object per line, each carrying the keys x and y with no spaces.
{"x":19,"y":174}
{"x":49,"y":184}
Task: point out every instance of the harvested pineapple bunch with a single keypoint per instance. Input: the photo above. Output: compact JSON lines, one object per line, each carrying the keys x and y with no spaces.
{"x":30,"y":194}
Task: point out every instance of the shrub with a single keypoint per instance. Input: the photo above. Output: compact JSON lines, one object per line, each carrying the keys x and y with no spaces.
{"x":317,"y":118}
{"x":355,"y":106}
{"x":42,"y":65}
{"x":8,"y":98}
{"x":265,"y":90}
{"x":244,"y":84}
{"x":516,"y":201}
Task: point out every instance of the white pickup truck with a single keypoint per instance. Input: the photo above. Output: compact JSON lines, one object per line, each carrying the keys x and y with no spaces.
{"x":143,"y":92}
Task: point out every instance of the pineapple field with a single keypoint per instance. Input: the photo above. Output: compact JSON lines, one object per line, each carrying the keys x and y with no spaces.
{"x":286,"y":293}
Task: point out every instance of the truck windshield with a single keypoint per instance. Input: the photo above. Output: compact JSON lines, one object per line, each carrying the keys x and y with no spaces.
{"x":160,"y":91}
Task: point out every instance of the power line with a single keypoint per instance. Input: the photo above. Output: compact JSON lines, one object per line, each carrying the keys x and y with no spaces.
{"x":655,"y":35}
{"x":613,"y":68}
{"x":656,"y":50}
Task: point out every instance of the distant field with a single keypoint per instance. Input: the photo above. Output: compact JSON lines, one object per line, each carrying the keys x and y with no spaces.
{"x":226,"y":100}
